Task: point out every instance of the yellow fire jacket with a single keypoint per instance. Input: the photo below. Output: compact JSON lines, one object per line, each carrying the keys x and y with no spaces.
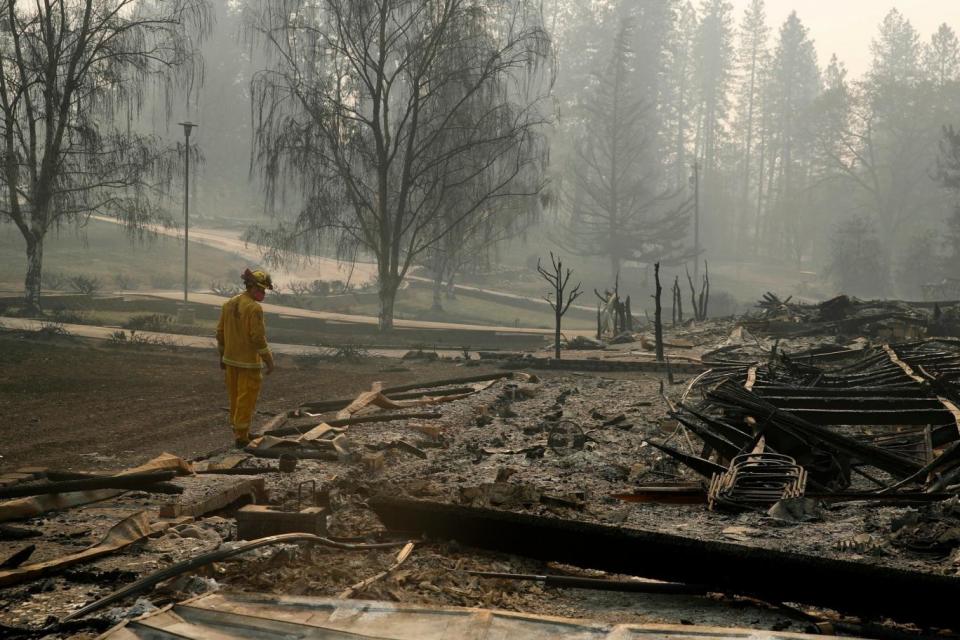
{"x":241,"y":335}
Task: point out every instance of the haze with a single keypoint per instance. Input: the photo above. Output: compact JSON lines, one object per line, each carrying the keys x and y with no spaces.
{"x":846,"y":27}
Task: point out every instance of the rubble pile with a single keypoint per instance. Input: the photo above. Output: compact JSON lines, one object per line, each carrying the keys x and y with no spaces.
{"x":790,"y":460}
{"x":885,"y":319}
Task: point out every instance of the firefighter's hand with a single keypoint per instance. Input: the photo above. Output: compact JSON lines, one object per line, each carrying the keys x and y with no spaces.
{"x":270,"y":367}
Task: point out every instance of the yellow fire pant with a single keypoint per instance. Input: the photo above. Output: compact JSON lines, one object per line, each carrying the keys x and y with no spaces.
{"x":243,"y":387}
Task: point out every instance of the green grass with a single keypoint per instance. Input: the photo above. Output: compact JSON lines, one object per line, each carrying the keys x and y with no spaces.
{"x":105,"y":251}
{"x":417,"y":304}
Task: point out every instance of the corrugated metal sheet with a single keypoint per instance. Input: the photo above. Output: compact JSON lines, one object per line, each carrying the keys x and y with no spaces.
{"x":231,"y":616}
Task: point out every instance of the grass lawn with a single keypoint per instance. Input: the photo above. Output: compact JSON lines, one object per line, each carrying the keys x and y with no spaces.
{"x":417,"y":304}
{"x":105,"y":251}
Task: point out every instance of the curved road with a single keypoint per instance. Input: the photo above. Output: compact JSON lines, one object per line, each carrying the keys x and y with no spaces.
{"x":317,"y":268}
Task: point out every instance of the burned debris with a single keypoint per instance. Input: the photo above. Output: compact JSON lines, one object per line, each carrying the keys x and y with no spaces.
{"x":836,"y":462}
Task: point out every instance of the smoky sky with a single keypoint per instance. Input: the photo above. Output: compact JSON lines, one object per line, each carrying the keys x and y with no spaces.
{"x":846,"y":27}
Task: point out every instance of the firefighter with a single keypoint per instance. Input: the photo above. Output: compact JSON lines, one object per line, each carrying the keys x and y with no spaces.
{"x":242,"y":341}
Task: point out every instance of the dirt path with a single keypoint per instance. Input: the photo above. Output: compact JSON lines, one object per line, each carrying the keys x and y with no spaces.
{"x":72,"y":404}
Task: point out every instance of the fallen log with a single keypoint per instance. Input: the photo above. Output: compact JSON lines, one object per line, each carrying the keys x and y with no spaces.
{"x":775,"y":576}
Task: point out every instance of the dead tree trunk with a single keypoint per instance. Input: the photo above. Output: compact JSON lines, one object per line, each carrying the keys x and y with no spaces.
{"x":558,"y":279}
{"x":629,"y":326}
{"x":701,"y":302}
{"x":705,"y":291}
{"x":677,"y":302}
{"x":657,"y":315}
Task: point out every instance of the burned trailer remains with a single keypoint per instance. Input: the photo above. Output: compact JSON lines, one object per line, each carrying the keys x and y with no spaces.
{"x":890,"y":407}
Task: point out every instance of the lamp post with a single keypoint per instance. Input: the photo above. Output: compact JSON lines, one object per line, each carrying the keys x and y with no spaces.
{"x":187,"y":127}
{"x":695,"y":183}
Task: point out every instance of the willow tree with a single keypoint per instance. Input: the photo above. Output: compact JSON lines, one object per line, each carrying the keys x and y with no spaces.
{"x":395,"y":122}
{"x":74,"y":72}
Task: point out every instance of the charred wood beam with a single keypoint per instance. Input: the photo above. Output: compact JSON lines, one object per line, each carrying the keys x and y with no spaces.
{"x":734,"y":397}
{"x":943,"y":435}
{"x":853,"y":587}
{"x":599,"y":584}
{"x":854,"y":403}
{"x":878,"y":378}
{"x":297,"y":452}
{"x":715,"y":441}
{"x":913,"y":391}
{"x":728,"y":431}
{"x":705,"y":468}
{"x":151,"y":481}
{"x":877,"y":417}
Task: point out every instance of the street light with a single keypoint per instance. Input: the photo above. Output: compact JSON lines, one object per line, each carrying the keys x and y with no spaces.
{"x":695,"y":183}
{"x":187,"y":127}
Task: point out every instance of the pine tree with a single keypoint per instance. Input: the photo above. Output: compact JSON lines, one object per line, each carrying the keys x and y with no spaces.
{"x":620,"y":210}
{"x":751,"y":61}
{"x":896,"y":54}
{"x":679,"y":102}
{"x":795,"y":85}
{"x":941,"y":57}
{"x":714,"y":68}
{"x":714,"y":72}
{"x":897,"y":128}
{"x":857,"y":266}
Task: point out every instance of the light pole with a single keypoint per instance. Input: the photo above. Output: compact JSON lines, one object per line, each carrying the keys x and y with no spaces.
{"x":187,"y":126}
{"x":695,"y":182}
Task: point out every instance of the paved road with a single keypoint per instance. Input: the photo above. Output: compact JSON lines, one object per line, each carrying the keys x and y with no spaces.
{"x":228,"y":240}
{"x":213,"y":300}
{"x":319,"y":268}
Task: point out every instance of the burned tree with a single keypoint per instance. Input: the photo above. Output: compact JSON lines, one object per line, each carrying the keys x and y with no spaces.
{"x":73,"y":72}
{"x":394,"y":122}
{"x":614,"y":312}
{"x":677,"y":302}
{"x":658,"y":313}
{"x":699,"y":301}
{"x":561,"y":298}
